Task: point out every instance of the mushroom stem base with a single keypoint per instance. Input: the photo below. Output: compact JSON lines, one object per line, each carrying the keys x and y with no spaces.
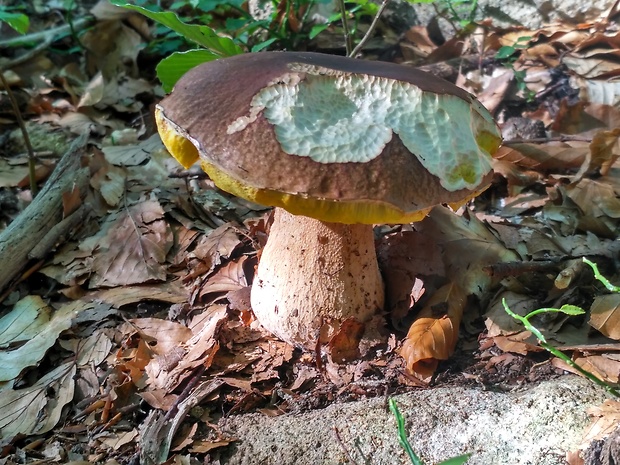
{"x":314,"y":275}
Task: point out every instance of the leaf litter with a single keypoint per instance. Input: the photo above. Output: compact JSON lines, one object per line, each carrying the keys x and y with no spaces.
{"x":136,"y":333}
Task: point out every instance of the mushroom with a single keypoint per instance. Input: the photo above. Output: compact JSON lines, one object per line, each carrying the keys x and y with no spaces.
{"x":336,"y":145}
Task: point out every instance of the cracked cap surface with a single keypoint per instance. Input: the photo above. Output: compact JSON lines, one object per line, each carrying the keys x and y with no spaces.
{"x":328,"y":137}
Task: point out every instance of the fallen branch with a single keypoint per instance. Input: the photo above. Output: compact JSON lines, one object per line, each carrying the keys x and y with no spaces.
{"x":44,"y":36}
{"x":37,"y":222}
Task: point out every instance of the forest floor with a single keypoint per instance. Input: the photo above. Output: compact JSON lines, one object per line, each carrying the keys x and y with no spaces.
{"x":130,"y":299}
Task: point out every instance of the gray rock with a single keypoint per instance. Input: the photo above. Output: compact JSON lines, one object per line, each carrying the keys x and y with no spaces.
{"x":536,"y":426}
{"x":529,"y":13}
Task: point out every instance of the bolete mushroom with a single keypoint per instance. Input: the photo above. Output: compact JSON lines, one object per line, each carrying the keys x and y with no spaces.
{"x":336,"y":145}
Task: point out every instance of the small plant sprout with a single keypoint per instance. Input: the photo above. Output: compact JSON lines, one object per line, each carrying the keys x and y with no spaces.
{"x":571,"y":310}
{"x":507,"y":54}
{"x":597,"y":274}
{"x":404,"y":442}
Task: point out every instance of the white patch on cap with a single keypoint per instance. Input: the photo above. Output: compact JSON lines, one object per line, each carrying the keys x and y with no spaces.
{"x":350,"y":118}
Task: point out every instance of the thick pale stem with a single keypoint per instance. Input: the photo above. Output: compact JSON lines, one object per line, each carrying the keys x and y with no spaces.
{"x":313,"y":275}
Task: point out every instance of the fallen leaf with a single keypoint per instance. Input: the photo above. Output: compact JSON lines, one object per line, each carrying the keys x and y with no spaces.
{"x":110,"y":181}
{"x":162,"y":335}
{"x":171,"y":291}
{"x":220,"y":243}
{"x":230,"y":277}
{"x":344,"y":344}
{"x":468,"y":246}
{"x":433,"y":334}
{"x":94,"y":349}
{"x":605,"y":315}
{"x":134,"y":249}
{"x":202,"y":447}
{"x":604,"y":421}
{"x":116,"y":440}
{"x":37,"y":409}
{"x":40,"y":338}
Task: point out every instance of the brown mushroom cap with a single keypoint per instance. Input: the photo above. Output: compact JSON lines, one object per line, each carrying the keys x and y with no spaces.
{"x":329,"y":137}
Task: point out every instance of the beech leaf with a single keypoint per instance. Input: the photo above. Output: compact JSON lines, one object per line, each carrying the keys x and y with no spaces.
{"x":37,"y":409}
{"x":135,"y":247}
{"x":433,"y":335}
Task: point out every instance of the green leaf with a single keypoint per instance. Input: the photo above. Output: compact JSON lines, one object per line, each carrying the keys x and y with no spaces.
{"x":263,"y":45}
{"x":202,"y":35}
{"x":505,"y":52}
{"x":459,"y":460}
{"x":317,"y":29}
{"x":572,"y":310}
{"x":17,"y":21}
{"x":170,"y":69}
{"x":420,"y":1}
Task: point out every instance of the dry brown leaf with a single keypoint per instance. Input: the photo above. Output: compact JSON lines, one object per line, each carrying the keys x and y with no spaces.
{"x":417,"y":44}
{"x":433,"y":335}
{"x":94,"y":349}
{"x":161,"y":335}
{"x":93,"y":93}
{"x":134,"y":249}
{"x":133,"y":361}
{"x":37,"y":409}
{"x":184,"y":437}
{"x":12,"y":172}
{"x":200,"y":349}
{"x":230,"y":277}
{"x":591,"y":68}
{"x":408,"y":259}
{"x":468,"y":247}
{"x":605,"y":315}
{"x":605,"y":148}
{"x":31,"y":321}
{"x":518,"y":343}
{"x":71,"y":201}
{"x":184,"y":238}
{"x":133,"y":154}
{"x":110,"y":181}
{"x":171,"y":291}
{"x":604,"y":421}
{"x":604,"y":366}
{"x":599,"y":204}
{"x":344,"y":344}
{"x":159,"y":399}
{"x":202,"y":447}
{"x":220,"y":243}
{"x":116,"y":440}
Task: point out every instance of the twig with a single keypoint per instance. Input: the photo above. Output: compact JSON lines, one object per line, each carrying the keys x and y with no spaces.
{"x":502,"y":270}
{"x":22,"y":126}
{"x":370,"y":30}
{"x":343,"y":446}
{"x":58,"y":233}
{"x":81,"y":23}
{"x":542,"y":140}
{"x":195,"y":377}
{"x":348,"y":39}
{"x":29,"y":54}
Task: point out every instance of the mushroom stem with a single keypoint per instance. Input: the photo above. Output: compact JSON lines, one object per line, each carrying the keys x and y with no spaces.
{"x":313,"y":275}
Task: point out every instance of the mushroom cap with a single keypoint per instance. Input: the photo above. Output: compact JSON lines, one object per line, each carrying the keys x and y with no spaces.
{"x":333,"y":138}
